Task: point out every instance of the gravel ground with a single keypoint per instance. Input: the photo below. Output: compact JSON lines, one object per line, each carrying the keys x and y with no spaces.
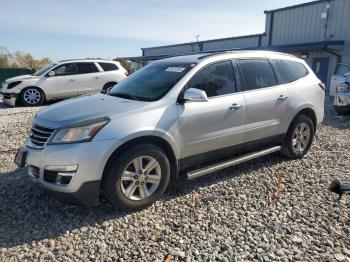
{"x":226,"y":216}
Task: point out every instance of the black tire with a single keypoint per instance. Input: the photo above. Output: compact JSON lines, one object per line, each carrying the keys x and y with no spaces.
{"x":39,"y":99}
{"x":107,"y":86}
{"x":112,"y":180}
{"x":288,"y":150}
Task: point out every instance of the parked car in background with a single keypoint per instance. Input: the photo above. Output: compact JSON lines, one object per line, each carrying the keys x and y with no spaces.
{"x":184,"y":116}
{"x":341,"y":71}
{"x":61,"y":80}
{"x":341,"y":100}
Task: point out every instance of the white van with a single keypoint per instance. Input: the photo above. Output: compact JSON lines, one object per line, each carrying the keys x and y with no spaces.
{"x":61,"y":80}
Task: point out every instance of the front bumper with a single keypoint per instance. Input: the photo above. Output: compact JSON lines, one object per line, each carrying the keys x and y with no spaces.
{"x":90,"y":159}
{"x":9,"y":98}
{"x":342,"y":102}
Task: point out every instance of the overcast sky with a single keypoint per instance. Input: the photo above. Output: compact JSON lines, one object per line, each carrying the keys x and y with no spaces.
{"x":109,"y":28}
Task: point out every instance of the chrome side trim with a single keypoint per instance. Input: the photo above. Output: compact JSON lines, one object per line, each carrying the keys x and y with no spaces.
{"x":235,"y":161}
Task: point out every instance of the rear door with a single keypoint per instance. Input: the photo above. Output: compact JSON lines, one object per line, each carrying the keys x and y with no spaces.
{"x":266,"y":101}
{"x":217,"y":123}
{"x":88,"y":78}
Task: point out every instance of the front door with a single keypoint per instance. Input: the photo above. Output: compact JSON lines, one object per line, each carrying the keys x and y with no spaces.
{"x":63,"y":84}
{"x":267,"y":102}
{"x":217,"y":123}
{"x":320,"y":67}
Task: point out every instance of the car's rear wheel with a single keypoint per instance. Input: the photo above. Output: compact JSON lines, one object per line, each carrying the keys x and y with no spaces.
{"x":137,"y":177}
{"x":32,"y":96}
{"x":107,"y":86}
{"x":299,"y":137}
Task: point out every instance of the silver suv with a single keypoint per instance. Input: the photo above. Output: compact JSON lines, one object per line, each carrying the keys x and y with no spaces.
{"x":181,"y":117}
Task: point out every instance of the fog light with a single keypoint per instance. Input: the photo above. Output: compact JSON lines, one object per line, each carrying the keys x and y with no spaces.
{"x":60,"y":175}
{"x":63,"y":179}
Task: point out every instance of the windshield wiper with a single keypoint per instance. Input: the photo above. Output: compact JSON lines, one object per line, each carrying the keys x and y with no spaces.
{"x":126,"y":96}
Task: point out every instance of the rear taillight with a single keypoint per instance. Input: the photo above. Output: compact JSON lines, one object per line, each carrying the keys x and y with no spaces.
{"x":126,"y":73}
{"x":322,"y":85}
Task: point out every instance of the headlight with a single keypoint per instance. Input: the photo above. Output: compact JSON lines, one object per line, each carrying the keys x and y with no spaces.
{"x":83,"y":132}
{"x":13,"y":84}
{"x":343,"y":88}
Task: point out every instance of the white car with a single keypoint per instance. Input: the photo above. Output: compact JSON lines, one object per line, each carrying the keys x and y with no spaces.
{"x":341,"y":72}
{"x":61,"y":80}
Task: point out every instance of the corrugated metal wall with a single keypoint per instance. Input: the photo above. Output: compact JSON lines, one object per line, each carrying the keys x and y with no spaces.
{"x":296,"y":25}
{"x":210,"y":45}
{"x":304,"y":24}
{"x":171,"y":50}
{"x":244,"y":42}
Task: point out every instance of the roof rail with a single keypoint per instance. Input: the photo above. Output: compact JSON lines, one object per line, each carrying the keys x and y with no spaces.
{"x":216,"y":53}
{"x":79,"y":59}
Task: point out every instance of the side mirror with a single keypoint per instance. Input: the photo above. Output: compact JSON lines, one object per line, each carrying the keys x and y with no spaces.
{"x":51,"y":73}
{"x":195,"y":95}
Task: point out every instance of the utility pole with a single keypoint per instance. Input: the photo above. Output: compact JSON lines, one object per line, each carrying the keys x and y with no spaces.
{"x":197,"y":36}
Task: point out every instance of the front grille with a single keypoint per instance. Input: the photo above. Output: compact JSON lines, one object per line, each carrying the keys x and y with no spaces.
{"x":40,"y":135}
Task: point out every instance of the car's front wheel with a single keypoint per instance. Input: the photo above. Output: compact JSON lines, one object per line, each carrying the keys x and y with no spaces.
{"x":299,"y":137}
{"x":32,"y":96}
{"x":137,"y":178}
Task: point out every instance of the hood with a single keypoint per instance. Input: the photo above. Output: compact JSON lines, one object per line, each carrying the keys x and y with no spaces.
{"x":83,"y":108}
{"x":20,"y":78}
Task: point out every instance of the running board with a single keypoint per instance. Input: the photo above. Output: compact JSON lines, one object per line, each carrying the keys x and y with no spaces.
{"x":232,"y":162}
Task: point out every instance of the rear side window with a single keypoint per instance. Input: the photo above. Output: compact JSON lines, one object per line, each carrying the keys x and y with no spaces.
{"x":215,"y":79}
{"x":108,"y":66}
{"x":86,"y":68}
{"x":289,"y":71}
{"x":257,"y":73}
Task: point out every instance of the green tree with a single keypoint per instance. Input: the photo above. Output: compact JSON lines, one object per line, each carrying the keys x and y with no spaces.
{"x":5,"y":57}
{"x":124,"y":63}
{"x":21,"y":59}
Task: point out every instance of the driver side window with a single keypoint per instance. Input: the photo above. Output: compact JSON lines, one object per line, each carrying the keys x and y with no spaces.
{"x":216,"y":79}
{"x":66,"y":69}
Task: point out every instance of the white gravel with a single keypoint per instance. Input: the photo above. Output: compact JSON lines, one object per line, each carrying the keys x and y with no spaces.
{"x":226,"y":216}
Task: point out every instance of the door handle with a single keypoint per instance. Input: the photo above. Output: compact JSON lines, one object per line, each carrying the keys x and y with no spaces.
{"x":96,"y":77}
{"x":235,"y":106}
{"x":71,"y":80}
{"x":282,"y":98}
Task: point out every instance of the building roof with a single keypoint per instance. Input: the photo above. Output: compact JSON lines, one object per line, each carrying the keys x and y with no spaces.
{"x":297,"y":6}
{"x":281,"y":48}
{"x":206,"y":41}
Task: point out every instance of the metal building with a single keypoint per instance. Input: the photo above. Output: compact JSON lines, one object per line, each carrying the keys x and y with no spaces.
{"x":317,"y":31}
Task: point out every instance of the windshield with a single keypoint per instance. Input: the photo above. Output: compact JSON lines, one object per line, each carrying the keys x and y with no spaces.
{"x":151,"y":82}
{"x":44,"y":69}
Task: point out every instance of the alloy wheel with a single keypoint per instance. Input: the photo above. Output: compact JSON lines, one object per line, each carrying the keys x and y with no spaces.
{"x":141,"y":178}
{"x":301,"y":137}
{"x":32,"y":96}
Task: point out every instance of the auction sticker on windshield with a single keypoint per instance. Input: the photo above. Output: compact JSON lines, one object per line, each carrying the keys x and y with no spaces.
{"x":175,"y":69}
